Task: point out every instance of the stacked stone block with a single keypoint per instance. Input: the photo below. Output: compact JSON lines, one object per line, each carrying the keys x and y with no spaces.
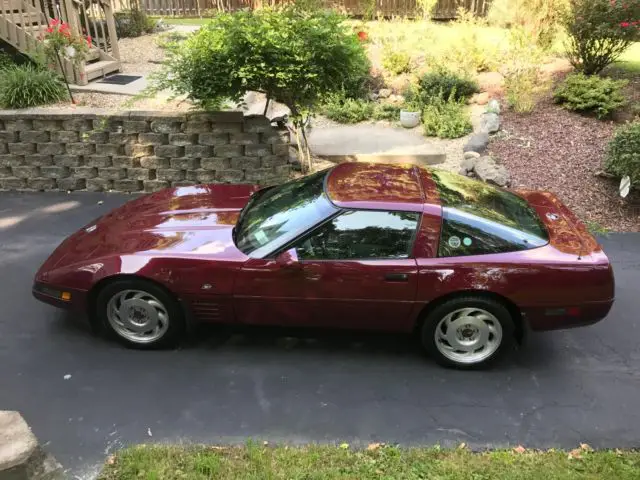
{"x":137,"y":151}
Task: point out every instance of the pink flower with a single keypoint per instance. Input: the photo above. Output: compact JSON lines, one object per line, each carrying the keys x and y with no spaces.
{"x":625,"y":24}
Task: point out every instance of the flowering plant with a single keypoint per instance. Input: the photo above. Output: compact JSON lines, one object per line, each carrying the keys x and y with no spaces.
{"x":600,"y":31}
{"x":60,"y":40}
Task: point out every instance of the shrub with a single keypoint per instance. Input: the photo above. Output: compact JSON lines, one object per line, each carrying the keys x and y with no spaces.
{"x":396,"y":61}
{"x":446,"y":118}
{"x":442,"y":82}
{"x":5,"y":61}
{"x":591,"y":94}
{"x":294,"y":56}
{"x":623,"y":153}
{"x":133,"y":23}
{"x":348,"y":110}
{"x":23,"y":86}
{"x":540,"y":19}
{"x":387,"y":111}
{"x":600,"y":31}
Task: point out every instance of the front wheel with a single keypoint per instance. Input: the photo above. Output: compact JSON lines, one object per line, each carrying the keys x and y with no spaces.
{"x":140,"y":314}
{"x":467,"y":332}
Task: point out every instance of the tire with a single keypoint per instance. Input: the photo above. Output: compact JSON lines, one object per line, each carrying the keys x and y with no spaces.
{"x":452,"y":330}
{"x":124,"y":308}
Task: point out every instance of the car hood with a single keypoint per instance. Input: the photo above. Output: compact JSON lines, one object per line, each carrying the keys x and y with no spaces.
{"x":185,"y":221}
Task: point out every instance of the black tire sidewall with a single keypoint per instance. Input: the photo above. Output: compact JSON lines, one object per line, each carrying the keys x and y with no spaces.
{"x":496,"y":308}
{"x":176,"y":328}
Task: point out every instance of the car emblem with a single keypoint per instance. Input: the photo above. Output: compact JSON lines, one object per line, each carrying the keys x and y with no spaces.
{"x":90,"y":229}
{"x":552,"y":216}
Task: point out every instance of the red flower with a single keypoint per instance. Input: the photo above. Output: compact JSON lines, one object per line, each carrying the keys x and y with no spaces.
{"x":625,"y":24}
{"x":363,"y":36}
{"x":89,"y":40}
{"x":49,"y":30}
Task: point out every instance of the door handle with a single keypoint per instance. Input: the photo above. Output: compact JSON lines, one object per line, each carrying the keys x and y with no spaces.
{"x":396,"y":277}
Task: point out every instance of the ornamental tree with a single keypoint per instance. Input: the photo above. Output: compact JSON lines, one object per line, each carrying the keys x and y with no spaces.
{"x":293,"y":55}
{"x":600,"y":31}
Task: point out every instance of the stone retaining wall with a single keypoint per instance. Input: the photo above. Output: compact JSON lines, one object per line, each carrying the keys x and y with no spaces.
{"x":89,"y":149}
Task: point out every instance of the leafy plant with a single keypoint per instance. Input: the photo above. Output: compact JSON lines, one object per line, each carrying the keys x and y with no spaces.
{"x":623,"y":153}
{"x":591,"y":94}
{"x":133,"y":23}
{"x":396,"y":61}
{"x":296,"y":57}
{"x":387,"y":111}
{"x":60,"y":40}
{"x":348,"y":110}
{"x":23,"y":86}
{"x":426,"y":7}
{"x":443,"y":82}
{"x":446,"y":117}
{"x":5,"y":60}
{"x":600,"y":31}
{"x":540,"y":19}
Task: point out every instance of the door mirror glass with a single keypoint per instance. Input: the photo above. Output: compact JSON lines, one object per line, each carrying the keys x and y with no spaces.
{"x":288,"y":258}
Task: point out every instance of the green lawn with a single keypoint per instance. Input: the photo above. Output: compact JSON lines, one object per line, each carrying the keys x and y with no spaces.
{"x":630,"y":60}
{"x":258,"y":462}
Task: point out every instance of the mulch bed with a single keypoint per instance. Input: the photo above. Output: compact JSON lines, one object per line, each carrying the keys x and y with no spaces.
{"x":559,"y":151}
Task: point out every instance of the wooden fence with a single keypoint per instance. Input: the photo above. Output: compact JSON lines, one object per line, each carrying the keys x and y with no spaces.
{"x":444,"y":10}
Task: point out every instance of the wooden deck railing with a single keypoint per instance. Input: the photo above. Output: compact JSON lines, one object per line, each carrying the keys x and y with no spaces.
{"x":24,"y":22}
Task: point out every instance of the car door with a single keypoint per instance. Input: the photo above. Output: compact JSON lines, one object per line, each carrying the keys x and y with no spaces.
{"x":354,"y":271}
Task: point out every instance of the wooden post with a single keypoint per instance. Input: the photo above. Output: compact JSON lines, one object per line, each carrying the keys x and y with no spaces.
{"x":111,"y":28}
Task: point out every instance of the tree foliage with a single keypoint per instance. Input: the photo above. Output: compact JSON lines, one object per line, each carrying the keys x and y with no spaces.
{"x":600,"y":31}
{"x":295,"y":56}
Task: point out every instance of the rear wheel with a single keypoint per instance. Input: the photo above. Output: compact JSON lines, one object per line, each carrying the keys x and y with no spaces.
{"x":140,"y":314}
{"x":467,"y":332}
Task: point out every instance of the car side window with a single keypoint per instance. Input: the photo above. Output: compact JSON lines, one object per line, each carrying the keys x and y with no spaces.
{"x":466,"y":234}
{"x":360,"y":234}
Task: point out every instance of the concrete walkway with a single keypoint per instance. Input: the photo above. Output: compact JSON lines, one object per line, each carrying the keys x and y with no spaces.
{"x":131,"y":89}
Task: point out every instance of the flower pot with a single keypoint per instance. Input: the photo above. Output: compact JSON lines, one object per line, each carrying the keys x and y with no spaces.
{"x":409,"y":119}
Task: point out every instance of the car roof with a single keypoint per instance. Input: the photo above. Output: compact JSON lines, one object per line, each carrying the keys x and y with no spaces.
{"x":377,"y":186}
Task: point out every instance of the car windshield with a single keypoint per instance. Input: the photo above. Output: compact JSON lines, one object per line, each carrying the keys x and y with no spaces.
{"x":277,"y":215}
{"x":490,"y":204}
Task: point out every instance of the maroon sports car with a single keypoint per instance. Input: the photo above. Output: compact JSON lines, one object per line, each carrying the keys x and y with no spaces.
{"x":464,"y":265}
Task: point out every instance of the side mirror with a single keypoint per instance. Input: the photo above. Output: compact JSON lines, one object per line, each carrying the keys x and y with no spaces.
{"x":288,"y":259}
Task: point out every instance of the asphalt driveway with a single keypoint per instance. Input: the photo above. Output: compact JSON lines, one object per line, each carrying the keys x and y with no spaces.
{"x":561,"y":389}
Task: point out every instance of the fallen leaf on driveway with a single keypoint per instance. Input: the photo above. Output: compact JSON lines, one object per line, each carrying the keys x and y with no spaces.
{"x":374,"y":446}
{"x":462,"y":446}
{"x":519,"y":449}
{"x":576,"y":454}
{"x":586,"y":447}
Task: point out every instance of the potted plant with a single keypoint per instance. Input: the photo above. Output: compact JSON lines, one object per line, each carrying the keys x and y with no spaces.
{"x":410,"y":114}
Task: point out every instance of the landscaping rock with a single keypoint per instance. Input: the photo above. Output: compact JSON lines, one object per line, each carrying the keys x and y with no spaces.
{"x":491,"y":82}
{"x":21,"y":458}
{"x":480,"y":98}
{"x":494,"y":106}
{"x":473,"y":155}
{"x":467,"y":165}
{"x":477,"y":143}
{"x":397,"y":99}
{"x":384,"y":93}
{"x":490,"y":122}
{"x":489,"y":171}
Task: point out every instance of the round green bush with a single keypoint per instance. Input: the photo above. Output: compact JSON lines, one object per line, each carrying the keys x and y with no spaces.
{"x":24,"y":86}
{"x":623,"y":153}
{"x":591,"y":94}
{"x":444,"y":83}
{"x":296,"y":57}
